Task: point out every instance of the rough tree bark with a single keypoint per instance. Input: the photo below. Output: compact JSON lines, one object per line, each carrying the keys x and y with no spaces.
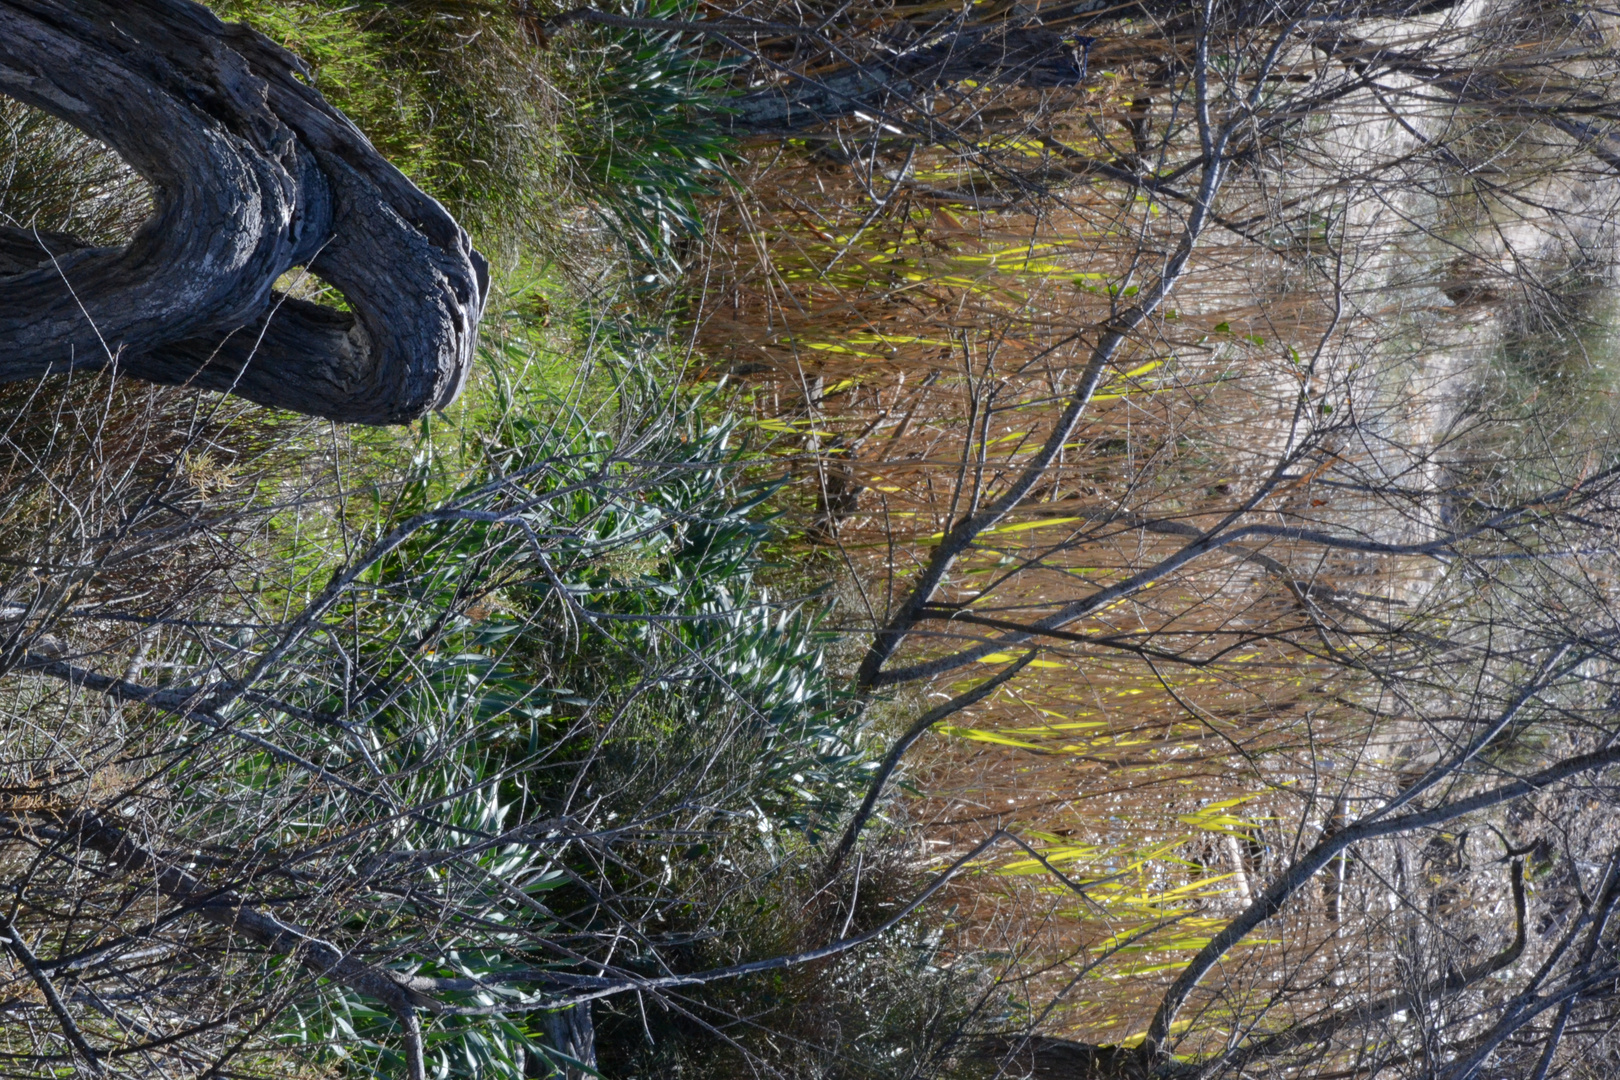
{"x":253,"y":174}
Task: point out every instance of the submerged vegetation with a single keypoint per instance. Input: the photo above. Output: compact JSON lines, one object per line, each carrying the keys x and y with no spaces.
{"x":986,"y":541}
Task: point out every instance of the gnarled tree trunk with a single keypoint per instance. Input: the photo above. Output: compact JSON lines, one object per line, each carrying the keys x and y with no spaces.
{"x":1030,"y":57}
{"x":253,"y":173}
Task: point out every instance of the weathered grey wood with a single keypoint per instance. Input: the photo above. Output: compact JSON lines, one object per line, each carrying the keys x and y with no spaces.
{"x":1023,"y":53}
{"x":572,"y":1032}
{"x":1031,"y":57}
{"x":253,"y":173}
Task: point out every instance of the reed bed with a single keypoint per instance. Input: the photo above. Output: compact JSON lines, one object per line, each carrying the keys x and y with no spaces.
{"x":903,"y":336}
